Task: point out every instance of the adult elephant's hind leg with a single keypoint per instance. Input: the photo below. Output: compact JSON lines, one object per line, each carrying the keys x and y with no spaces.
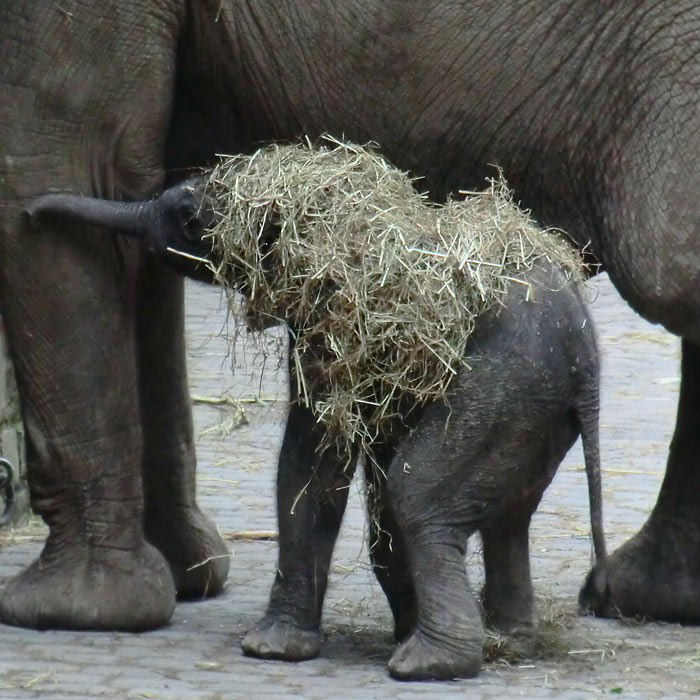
{"x":72,"y":339}
{"x":657,"y":572}
{"x":198,"y":557}
{"x":312,"y":492}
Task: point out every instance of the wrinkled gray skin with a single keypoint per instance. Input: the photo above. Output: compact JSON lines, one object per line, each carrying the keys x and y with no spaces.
{"x":479,"y":461}
{"x":590,"y":108}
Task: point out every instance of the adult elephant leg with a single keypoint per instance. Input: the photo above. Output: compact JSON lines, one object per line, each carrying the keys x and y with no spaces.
{"x":312,"y":492}
{"x":86,"y":104}
{"x":198,"y":557}
{"x":387,"y":549}
{"x":72,"y":339}
{"x":657,"y":572}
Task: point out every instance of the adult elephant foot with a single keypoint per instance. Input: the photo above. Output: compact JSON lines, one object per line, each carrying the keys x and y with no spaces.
{"x":420,"y":658}
{"x":91,"y":589}
{"x":655,"y":574}
{"x":272,"y":639}
{"x":197,"y":554}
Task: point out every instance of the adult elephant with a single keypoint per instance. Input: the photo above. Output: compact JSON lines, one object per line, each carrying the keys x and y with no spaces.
{"x":591,"y":108}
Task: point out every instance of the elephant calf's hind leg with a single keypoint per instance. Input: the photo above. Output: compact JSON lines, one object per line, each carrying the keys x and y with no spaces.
{"x":507,"y":594}
{"x":448,"y":639}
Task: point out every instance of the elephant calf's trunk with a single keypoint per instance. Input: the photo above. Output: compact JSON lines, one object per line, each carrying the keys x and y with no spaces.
{"x":126,"y":218}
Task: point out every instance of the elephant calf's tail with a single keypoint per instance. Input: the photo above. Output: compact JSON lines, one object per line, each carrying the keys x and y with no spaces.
{"x":594,"y":593}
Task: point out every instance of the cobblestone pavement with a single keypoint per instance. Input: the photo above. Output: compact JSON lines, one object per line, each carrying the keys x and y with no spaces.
{"x":197,"y":655}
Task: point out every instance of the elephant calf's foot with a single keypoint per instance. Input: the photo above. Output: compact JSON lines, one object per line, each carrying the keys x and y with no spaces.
{"x":654,"y":574}
{"x":98,"y":589}
{"x":272,"y":639}
{"x":421,"y":659}
{"x":511,"y":642}
{"x":196,"y":552}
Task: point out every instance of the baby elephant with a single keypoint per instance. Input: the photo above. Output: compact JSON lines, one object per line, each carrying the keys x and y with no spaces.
{"x":479,"y":460}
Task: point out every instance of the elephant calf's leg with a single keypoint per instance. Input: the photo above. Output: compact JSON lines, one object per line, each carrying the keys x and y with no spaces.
{"x":436,"y":515}
{"x":448,"y":639}
{"x":387,"y":551}
{"x":312,"y":492}
{"x":196,"y":553}
{"x":507,"y":594}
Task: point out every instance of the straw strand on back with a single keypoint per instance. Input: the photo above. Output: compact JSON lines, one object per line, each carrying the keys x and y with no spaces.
{"x":380,"y":287}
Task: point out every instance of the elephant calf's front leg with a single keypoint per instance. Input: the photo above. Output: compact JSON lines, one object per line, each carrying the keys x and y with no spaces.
{"x":387,"y":549}
{"x":312,"y":492}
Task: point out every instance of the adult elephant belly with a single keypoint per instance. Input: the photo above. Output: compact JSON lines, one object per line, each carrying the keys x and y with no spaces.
{"x":109,"y":439}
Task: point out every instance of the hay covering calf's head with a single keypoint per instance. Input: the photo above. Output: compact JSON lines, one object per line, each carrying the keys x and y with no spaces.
{"x":380,"y":288}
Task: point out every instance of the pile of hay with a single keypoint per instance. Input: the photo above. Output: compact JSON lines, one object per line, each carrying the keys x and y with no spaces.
{"x":380,"y":287}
